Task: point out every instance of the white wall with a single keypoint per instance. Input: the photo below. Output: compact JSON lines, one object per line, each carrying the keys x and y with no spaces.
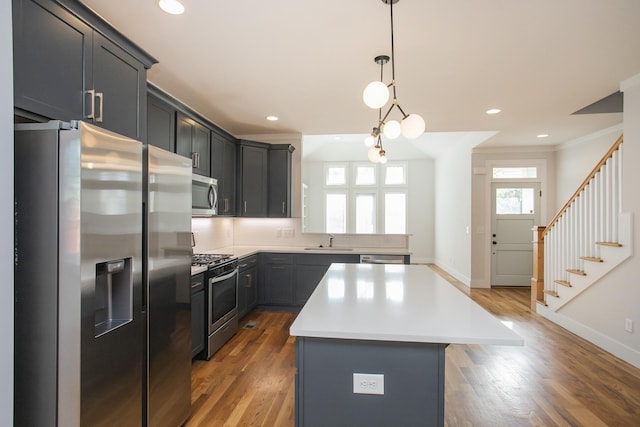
{"x":599,"y":313}
{"x":452,"y":203}
{"x":577,"y":158}
{"x":6,"y":216}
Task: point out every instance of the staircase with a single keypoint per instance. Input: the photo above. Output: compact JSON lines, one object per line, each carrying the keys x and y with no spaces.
{"x":587,"y":239}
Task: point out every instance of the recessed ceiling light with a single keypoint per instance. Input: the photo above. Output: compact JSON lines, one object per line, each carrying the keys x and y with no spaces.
{"x":493,"y":111}
{"x":272,"y":118}
{"x":173,"y":7}
{"x":542,"y":135}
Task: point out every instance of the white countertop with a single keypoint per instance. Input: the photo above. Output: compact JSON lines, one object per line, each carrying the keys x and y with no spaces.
{"x":408,"y":303}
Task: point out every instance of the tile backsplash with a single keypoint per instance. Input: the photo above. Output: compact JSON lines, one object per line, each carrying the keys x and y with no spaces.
{"x":218,"y":232}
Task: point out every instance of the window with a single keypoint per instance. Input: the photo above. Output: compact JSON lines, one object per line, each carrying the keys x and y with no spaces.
{"x":514,"y":201}
{"x":336,"y":213}
{"x":335,"y":175}
{"x":366,"y":213}
{"x":395,"y":213}
{"x":395,"y":175}
{"x":365,"y":175}
{"x":356,"y":201}
{"x":515,"y":172}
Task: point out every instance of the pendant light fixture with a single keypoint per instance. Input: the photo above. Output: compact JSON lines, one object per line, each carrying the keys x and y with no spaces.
{"x":376,"y":95}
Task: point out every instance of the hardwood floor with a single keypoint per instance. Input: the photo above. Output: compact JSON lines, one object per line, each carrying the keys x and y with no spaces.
{"x":555,"y":379}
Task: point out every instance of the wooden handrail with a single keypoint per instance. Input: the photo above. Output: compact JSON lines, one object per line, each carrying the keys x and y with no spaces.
{"x":575,"y":195}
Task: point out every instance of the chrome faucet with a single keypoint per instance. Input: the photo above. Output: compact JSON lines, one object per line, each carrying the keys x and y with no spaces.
{"x":331,"y":240}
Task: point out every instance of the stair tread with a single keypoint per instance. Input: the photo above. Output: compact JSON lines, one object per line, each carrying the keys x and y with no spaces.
{"x":578,"y":272}
{"x":563,"y":283}
{"x":552,"y":293}
{"x":541,"y":302}
{"x":614,"y":244}
{"x":591,"y":258}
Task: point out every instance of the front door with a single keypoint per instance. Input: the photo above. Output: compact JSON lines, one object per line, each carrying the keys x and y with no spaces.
{"x":515,"y":211}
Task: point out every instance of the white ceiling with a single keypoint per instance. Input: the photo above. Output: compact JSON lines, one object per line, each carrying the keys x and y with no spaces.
{"x":307,"y":62}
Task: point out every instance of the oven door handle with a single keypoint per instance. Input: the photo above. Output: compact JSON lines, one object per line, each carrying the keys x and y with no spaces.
{"x":225,"y":277}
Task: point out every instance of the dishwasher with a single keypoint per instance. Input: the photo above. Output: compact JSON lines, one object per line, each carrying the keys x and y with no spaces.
{"x":381,"y":259}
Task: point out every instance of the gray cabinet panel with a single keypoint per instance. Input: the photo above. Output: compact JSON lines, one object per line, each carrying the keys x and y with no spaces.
{"x":193,"y":141}
{"x":253,"y":177}
{"x":51,"y":49}
{"x":223,"y":168}
{"x":161,"y":122}
{"x":121,"y":82}
{"x":279,"y":189}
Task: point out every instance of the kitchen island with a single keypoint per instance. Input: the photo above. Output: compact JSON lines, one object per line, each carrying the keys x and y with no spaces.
{"x":370,"y":346}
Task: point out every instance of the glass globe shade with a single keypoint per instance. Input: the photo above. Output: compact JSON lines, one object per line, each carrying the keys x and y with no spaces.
{"x":383,"y":158}
{"x":374,"y":154}
{"x":391,"y":129}
{"x":412,"y":126}
{"x":369,"y":141}
{"x":375,"y":95}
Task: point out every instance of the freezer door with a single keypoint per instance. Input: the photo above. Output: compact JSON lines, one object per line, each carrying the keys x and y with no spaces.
{"x":169,"y":288}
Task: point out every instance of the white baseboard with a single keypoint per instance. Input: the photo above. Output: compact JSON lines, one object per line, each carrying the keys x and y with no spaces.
{"x":616,"y":348}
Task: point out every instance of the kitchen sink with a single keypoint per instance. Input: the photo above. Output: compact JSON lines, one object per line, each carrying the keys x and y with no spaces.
{"x":326,"y":248}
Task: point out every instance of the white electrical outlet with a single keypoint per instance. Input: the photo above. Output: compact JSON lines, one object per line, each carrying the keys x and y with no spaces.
{"x":368,"y":383}
{"x":628,"y":325}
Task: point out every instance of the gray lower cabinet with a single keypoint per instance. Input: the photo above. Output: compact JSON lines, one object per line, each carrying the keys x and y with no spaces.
{"x":197,"y":314}
{"x":288,"y":280}
{"x":277,"y":279}
{"x":65,"y":69}
{"x":413,"y":383}
{"x":247,"y":284}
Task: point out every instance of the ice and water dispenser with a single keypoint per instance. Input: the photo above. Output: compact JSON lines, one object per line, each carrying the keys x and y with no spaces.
{"x":114,"y":295}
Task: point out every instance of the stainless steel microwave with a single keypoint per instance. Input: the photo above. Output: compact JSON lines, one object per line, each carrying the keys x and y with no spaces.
{"x":204,"y":199}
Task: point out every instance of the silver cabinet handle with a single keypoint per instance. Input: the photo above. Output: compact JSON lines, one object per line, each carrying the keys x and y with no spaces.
{"x":92,"y":103}
{"x":100,"y":95}
{"x":245,"y":206}
{"x":195,"y":159}
{"x":283,"y":204}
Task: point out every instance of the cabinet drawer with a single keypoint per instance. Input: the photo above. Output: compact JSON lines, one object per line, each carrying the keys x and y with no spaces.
{"x":197,"y":282}
{"x":248,"y":262}
{"x":278,"y":258}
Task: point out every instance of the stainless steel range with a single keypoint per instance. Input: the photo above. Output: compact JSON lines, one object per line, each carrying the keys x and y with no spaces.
{"x":221,"y":297}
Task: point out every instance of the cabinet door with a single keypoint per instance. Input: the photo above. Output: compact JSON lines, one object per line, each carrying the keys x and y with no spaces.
{"x":184,"y":130}
{"x":247,"y":290}
{"x":119,"y":81}
{"x":50,"y":49}
{"x":201,"y":147}
{"x":279,"y":189}
{"x":254,"y":164}
{"x":228,"y":200}
{"x":197,"y":322}
{"x":278,"y":283}
{"x":307,"y":278}
{"x":161,"y":122}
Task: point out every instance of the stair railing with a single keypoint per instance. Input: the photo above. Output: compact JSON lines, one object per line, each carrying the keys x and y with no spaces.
{"x":589,"y":217}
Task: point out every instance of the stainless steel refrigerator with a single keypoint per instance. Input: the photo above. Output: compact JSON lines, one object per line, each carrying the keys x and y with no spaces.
{"x":84,"y":327}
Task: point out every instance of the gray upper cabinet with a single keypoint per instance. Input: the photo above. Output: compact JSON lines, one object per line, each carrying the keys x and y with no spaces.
{"x":161,"y":123}
{"x":252,"y":179}
{"x":193,"y":141}
{"x":279,"y":189}
{"x":71,"y":65}
{"x":223,"y":168}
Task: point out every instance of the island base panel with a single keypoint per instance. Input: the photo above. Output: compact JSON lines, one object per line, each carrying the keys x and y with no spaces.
{"x":413,"y":383}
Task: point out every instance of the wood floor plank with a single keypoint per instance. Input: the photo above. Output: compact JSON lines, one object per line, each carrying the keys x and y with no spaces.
{"x":555,"y":379}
